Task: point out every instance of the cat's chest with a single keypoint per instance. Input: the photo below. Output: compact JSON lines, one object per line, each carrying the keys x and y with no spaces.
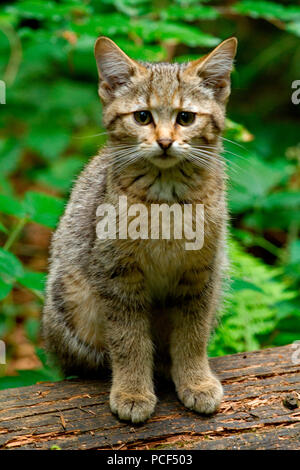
{"x":163,"y":263}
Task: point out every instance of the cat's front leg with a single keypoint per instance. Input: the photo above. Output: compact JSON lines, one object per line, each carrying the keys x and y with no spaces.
{"x":132,"y":396}
{"x":129,"y":341}
{"x":196,"y":385}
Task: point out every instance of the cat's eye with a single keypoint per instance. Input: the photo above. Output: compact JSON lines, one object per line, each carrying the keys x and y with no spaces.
{"x":185,"y":118}
{"x":143,"y":117}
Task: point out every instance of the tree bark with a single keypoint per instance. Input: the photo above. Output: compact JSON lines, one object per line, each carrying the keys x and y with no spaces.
{"x":260,"y":410}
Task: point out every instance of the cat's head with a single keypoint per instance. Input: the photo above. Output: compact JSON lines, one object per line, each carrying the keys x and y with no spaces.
{"x":163,"y":112}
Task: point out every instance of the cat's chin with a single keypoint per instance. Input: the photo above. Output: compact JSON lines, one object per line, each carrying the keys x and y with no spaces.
{"x":164,"y":162}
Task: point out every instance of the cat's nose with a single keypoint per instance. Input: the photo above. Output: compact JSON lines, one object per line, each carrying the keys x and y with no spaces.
{"x":165,"y":143}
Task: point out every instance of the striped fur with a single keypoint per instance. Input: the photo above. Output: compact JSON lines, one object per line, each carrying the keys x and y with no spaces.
{"x":137,"y":306}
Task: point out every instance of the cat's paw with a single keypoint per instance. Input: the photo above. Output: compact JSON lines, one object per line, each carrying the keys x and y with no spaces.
{"x":204,"y":397}
{"x":134,"y":407}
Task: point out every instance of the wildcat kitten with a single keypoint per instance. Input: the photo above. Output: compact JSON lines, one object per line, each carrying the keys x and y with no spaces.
{"x":139,"y":305}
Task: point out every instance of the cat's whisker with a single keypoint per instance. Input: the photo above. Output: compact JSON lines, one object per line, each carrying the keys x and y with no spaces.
{"x":89,"y":136}
{"x":207,"y":158}
{"x":234,"y":166}
{"x":221,"y":151}
{"x":201,"y":161}
{"x":235,"y":154}
{"x":206,"y":153}
{"x":122,"y":160}
{"x":121,"y":168}
{"x":234,"y":142}
{"x":216,"y":154}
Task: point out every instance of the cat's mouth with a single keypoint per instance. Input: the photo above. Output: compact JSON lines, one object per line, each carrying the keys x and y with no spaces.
{"x":165,"y":160}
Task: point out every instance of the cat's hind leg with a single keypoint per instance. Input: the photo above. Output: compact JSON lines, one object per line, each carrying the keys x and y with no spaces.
{"x":73,"y":325}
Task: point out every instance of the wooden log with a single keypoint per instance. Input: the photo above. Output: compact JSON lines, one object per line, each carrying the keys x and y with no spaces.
{"x":260,"y":411}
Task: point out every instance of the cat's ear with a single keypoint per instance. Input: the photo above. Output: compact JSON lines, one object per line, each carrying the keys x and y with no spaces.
{"x":215,"y":68}
{"x":115,"y":68}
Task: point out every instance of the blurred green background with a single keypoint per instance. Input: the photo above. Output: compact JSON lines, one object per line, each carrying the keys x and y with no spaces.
{"x":51,"y":125}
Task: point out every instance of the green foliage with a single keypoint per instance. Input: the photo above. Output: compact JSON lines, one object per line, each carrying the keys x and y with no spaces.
{"x":35,"y":207}
{"x":268,"y":10}
{"x":30,"y":377}
{"x":51,"y":125}
{"x":253,"y":305}
{"x":43,"y":209}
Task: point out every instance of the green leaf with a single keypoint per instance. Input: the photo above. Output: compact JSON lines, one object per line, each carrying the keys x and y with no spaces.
{"x":148,"y":52}
{"x":25,"y":378}
{"x":5,"y":288}
{"x":6,"y":186}
{"x":48,"y":10}
{"x":189,"y":13}
{"x":48,"y":140}
{"x":10,"y":154}
{"x":3,"y":228}
{"x":279,"y":219}
{"x":10,"y":265}
{"x":251,"y":180}
{"x":41,"y":354}
{"x":288,"y":308}
{"x":294,"y":252}
{"x":248,"y":314}
{"x":44,"y":209}
{"x":267,"y":10}
{"x":32,"y":9}
{"x":61,"y":174}
{"x":237,"y":131}
{"x":107,"y":24}
{"x":284,"y":200}
{"x":131,"y":7}
{"x":284,"y":338}
{"x":241,"y":284}
{"x":294,"y":28}
{"x":53,"y":373}
{"x":67,"y":96}
{"x":32,"y":328}
{"x":33,"y":280}
{"x":7,"y":323}
{"x":12,"y":382}
{"x":173,"y":32}
{"x":11,"y":206}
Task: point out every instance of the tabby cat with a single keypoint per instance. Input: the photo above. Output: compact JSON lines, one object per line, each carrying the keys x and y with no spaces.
{"x":144,"y":305}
